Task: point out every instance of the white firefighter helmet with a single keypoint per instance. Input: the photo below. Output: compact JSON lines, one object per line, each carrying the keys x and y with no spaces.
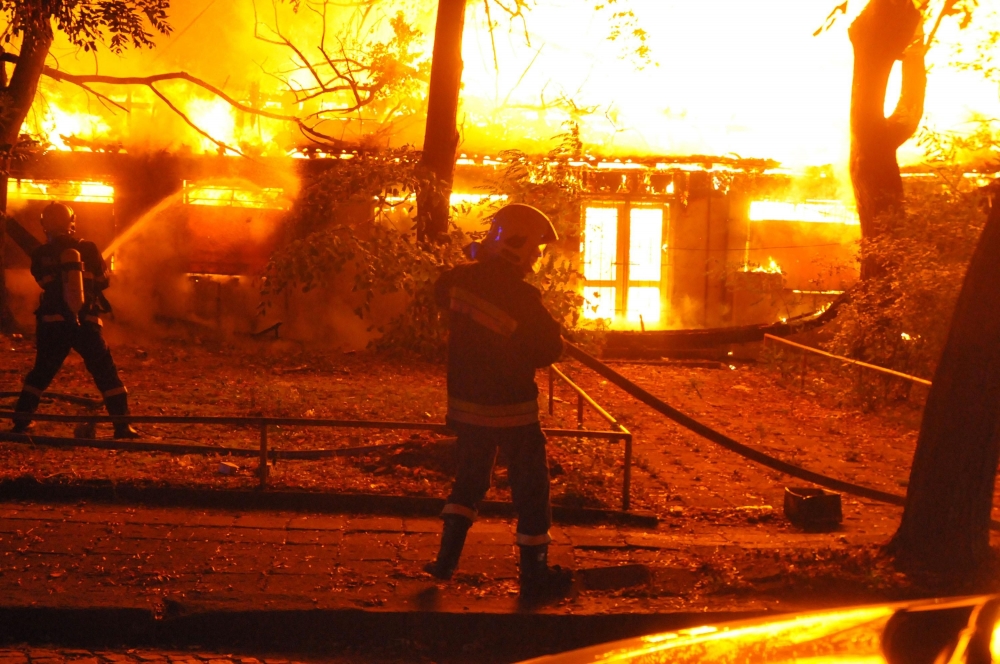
{"x":58,"y":219}
{"x":516,"y":232}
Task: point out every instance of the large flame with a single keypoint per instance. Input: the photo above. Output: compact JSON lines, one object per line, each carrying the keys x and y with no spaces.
{"x":722,"y":77}
{"x":727,"y":77}
{"x":826,"y":212}
{"x":71,"y":191}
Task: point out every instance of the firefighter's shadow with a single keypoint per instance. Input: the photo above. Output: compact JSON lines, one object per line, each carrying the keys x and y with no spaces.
{"x":428,"y":599}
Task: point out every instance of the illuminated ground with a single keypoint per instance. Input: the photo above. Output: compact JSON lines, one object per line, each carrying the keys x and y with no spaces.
{"x":688,"y":482}
{"x":722,"y":544}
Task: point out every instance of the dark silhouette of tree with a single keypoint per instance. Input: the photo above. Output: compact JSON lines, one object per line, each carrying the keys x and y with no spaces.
{"x":949,"y":497}
{"x":887,"y":31}
{"x":441,"y":132}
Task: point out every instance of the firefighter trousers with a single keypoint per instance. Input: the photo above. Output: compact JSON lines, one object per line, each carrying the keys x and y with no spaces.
{"x":527,"y":470}
{"x":54,"y":341}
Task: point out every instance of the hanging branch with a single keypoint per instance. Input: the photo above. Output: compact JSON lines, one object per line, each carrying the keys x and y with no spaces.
{"x":384,"y":68}
{"x":335,"y":71}
{"x":84,"y":80}
{"x":222,"y":146}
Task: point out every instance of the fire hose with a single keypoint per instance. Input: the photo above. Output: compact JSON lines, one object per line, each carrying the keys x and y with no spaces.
{"x":725,"y":441}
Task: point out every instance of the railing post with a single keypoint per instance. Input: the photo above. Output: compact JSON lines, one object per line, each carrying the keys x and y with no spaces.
{"x":552,"y":394}
{"x":579,"y":411}
{"x":627,"y":481}
{"x":805,"y":358}
{"x":262,"y":468}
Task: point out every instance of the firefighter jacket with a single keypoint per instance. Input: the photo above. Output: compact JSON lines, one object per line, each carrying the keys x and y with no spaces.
{"x":500,"y":333}
{"x":47,"y":271}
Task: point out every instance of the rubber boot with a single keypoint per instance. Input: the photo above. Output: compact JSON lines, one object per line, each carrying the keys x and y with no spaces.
{"x":26,"y":403}
{"x":118,"y":405}
{"x":456,"y":527}
{"x":539,"y":582}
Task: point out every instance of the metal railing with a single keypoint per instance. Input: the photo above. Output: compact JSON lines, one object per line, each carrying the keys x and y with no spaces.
{"x":262,"y":424}
{"x":620,"y":432}
{"x":864,"y":365}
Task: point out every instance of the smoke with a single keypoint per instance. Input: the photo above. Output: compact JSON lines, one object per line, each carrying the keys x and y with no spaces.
{"x":193,"y":269}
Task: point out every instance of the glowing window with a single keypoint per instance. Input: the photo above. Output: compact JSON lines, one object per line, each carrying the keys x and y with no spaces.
{"x":645,"y":242}
{"x":74,"y":191}
{"x":599,"y":302}
{"x":235,"y":196}
{"x":821,"y":212}
{"x":600,"y":244}
{"x":644,"y":301}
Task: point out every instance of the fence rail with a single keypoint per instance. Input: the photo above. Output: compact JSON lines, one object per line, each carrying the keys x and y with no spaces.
{"x":264,"y":423}
{"x":846,"y":360}
{"x":583,"y":399}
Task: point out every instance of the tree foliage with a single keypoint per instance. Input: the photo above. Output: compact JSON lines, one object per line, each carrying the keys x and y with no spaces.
{"x":88,"y":23}
{"x":551,"y":186}
{"x":356,"y":222}
{"x":362,"y":63}
{"x":900,"y":318}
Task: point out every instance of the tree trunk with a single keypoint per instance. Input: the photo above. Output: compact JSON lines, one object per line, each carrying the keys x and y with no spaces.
{"x":7,"y":323}
{"x":441,"y":133}
{"x":884,"y":32}
{"x":16,"y":97}
{"x":946,"y":520}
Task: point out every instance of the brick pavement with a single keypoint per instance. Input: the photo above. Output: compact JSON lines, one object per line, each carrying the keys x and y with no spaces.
{"x":165,"y":558}
{"x":27,"y":654}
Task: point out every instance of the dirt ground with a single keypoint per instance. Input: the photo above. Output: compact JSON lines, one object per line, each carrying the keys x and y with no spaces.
{"x":682,"y":478}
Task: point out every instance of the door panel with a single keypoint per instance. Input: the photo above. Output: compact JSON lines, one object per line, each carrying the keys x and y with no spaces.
{"x":600,"y":244}
{"x":645,"y":244}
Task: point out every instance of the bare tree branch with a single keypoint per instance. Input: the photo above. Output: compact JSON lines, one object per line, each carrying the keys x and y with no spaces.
{"x":222,"y":146}
{"x":355,"y":71}
{"x":82,"y":80}
{"x":493,"y":41}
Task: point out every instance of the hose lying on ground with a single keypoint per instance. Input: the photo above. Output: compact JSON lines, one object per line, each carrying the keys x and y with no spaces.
{"x":725,"y":441}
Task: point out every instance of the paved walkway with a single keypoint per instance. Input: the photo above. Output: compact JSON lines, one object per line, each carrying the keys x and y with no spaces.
{"x":24,"y":654}
{"x":137,"y":557}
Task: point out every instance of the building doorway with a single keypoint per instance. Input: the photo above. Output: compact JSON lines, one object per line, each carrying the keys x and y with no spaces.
{"x":625,"y":274}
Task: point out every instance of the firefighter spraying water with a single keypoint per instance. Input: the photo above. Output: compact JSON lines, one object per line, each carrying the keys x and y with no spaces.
{"x":500,"y":333}
{"x":73,"y":276}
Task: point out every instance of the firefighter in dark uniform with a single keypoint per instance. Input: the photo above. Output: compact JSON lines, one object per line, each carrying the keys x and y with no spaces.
{"x":72,"y":274}
{"x":500,"y":333}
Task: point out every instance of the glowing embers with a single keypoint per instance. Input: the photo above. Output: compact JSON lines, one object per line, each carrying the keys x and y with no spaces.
{"x":68,"y":191}
{"x":216,"y":195}
{"x":770,"y":267}
{"x":821,"y":212}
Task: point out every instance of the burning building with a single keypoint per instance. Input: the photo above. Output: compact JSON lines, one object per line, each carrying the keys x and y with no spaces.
{"x":671,"y":242}
{"x":202,"y":168}
{"x":662,"y":243}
